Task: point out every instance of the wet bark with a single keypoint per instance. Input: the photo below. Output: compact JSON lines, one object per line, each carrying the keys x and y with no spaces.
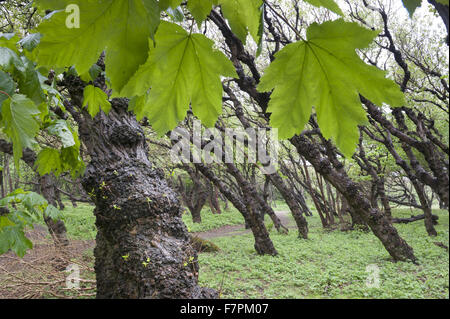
{"x":195,"y":198}
{"x":253,"y":199}
{"x":300,"y":220}
{"x":246,"y":205}
{"x":143,"y":249}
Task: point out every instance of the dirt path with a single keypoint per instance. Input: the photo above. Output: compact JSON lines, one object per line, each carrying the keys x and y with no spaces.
{"x":236,"y":230}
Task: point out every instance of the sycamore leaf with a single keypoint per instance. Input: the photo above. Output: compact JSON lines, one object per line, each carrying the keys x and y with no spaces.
{"x":329,"y":4}
{"x":154,"y":13}
{"x":60,"y":129}
{"x":95,"y":99}
{"x":12,"y":237}
{"x":326,"y":73}
{"x":121,"y":28}
{"x":31,"y":41}
{"x":183,"y":68}
{"x":137,"y":106}
{"x":29,"y":82}
{"x":10,"y":61}
{"x":200,"y":9}
{"x":18,"y":119}
{"x":243,"y":16}
{"x":7,"y":86}
{"x":411,"y":5}
{"x":9,"y":40}
{"x":48,"y":161}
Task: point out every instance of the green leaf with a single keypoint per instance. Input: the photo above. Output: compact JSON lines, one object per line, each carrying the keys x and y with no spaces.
{"x":14,"y":238}
{"x":329,"y":4}
{"x":9,"y":40}
{"x":7,"y":86}
{"x":18,"y":119}
{"x":95,"y":99}
{"x":243,"y":16}
{"x":325,"y":72}
{"x":29,"y":82}
{"x":200,"y":9}
{"x":31,"y":41}
{"x":118,"y":27}
{"x":53,"y":212}
{"x":137,"y":106}
{"x":183,"y":68}
{"x":72,"y":162}
{"x":411,"y":5}
{"x":153,"y":13}
{"x":60,"y":129}
{"x":10,"y":61}
{"x":48,"y":161}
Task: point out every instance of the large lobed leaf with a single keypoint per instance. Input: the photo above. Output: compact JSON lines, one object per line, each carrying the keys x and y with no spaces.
{"x":120,"y":27}
{"x":325,"y":72}
{"x":19,"y":122}
{"x":182,"y":69}
{"x":244,"y":17}
{"x":95,"y":99}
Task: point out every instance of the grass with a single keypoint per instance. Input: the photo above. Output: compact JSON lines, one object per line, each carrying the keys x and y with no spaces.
{"x":330,"y":264}
{"x":212,"y":221}
{"x":79,"y":221}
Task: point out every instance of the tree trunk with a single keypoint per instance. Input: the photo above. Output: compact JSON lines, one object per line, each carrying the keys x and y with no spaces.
{"x":300,"y":220}
{"x":57,"y":229}
{"x":263,"y":243}
{"x":376,"y":220}
{"x":143,"y":249}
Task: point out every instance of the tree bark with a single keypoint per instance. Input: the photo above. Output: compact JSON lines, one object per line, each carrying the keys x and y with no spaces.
{"x":300,"y":220}
{"x":376,"y":220}
{"x":143,"y":249}
{"x":263,"y":243}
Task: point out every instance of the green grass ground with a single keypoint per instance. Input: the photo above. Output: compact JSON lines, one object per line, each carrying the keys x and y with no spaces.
{"x":330,"y":264}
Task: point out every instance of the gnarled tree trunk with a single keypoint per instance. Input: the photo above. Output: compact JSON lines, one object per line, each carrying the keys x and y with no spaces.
{"x":143,"y":248}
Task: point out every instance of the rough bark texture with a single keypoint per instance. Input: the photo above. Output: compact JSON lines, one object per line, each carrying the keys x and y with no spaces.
{"x":143,"y":247}
{"x":195,"y":198}
{"x":300,"y":220}
{"x":263,"y":243}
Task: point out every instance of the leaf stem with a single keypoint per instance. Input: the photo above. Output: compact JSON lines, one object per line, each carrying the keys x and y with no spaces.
{"x":3,"y":92}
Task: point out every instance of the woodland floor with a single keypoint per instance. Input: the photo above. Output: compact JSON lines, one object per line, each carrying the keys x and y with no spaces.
{"x":330,"y":264}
